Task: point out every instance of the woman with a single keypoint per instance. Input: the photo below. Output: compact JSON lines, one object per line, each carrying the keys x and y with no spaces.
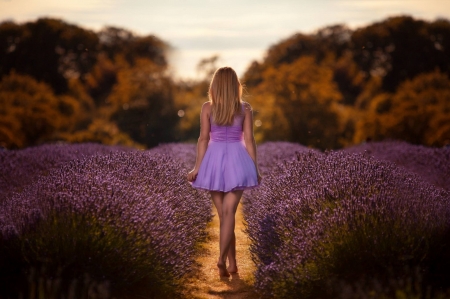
{"x":226,"y":162}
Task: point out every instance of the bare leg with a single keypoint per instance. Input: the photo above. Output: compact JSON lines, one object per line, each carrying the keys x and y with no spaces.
{"x":229,"y":206}
{"x":217,"y":198}
{"x":232,"y":266}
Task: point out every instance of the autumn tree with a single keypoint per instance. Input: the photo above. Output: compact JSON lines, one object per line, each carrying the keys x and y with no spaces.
{"x":142,"y":104}
{"x":400,"y":48}
{"x":120,"y":48}
{"x":327,"y":89}
{"x":84,"y":74}
{"x":297,"y":102}
{"x":30,"y":113}
{"x":368,"y":67}
{"x":49,"y":50}
{"x":418,"y":112}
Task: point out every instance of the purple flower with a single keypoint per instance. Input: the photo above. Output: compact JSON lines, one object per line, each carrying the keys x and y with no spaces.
{"x":322,"y":218}
{"x":127,"y":215}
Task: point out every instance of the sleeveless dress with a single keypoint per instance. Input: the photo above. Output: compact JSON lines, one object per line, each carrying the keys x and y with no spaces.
{"x":226,"y":165}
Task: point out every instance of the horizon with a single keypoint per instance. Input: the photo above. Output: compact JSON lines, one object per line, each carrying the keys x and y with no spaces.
{"x":201,"y":29}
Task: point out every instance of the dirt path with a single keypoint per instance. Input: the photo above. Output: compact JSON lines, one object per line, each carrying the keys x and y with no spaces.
{"x":206,"y":283}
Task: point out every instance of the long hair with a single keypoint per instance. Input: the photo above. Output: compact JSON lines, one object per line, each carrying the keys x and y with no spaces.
{"x":225,"y":92}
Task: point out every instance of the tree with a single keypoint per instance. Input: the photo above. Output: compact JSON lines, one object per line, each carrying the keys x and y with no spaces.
{"x":417,"y":112}
{"x":348,"y":77}
{"x":54,"y":51}
{"x":49,"y":50}
{"x":142,"y":103}
{"x":29,"y":111}
{"x":100,"y":131}
{"x":298,"y":102}
{"x":189,"y":97}
{"x":88,"y":80}
{"x":400,"y":48}
{"x":114,"y":41}
{"x":101,"y":79}
{"x":328,"y":39}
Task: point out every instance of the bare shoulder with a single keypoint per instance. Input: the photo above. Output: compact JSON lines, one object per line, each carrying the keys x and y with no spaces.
{"x":206,"y":107}
{"x":247,"y":107}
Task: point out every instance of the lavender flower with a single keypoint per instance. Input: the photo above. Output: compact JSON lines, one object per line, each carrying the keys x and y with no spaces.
{"x":431,"y":164}
{"x":126,"y":217}
{"x":333,"y":217}
{"x":272,"y":153}
{"x":20,"y":167}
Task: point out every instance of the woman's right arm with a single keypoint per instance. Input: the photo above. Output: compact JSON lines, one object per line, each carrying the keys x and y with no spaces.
{"x":203,"y":140}
{"x":249,"y":138}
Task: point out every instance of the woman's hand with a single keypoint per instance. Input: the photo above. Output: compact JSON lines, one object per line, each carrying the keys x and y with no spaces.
{"x":192,"y":175}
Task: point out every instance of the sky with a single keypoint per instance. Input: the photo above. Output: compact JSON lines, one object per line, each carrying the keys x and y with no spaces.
{"x":238,"y":31}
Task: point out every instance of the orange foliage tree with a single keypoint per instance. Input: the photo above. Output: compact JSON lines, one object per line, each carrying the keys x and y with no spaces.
{"x":298,"y":102}
{"x":142,"y":102}
{"x":327,"y":89}
{"x":369,"y":67}
{"x":96,"y":86}
{"x":418,"y":112}
{"x":30,"y":113}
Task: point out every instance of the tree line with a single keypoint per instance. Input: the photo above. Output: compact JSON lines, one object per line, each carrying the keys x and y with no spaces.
{"x":60,"y":82}
{"x":328,"y":89}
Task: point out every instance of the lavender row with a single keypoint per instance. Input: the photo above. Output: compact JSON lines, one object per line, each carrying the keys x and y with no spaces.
{"x":431,"y":164}
{"x":325,"y":223}
{"x":272,"y":153}
{"x":185,"y":152}
{"x":20,"y":167}
{"x":128,"y":218}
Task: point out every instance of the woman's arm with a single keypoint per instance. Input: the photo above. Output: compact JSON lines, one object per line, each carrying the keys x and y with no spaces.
{"x":249,"y":138}
{"x":203,"y":140}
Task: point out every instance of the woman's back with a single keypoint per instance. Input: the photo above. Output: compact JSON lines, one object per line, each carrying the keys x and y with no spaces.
{"x":232,"y":133}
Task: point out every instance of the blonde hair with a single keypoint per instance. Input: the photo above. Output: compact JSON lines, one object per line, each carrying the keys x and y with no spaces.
{"x":225,"y":92}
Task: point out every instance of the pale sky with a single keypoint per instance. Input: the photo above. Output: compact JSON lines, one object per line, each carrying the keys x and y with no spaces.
{"x":238,"y":31}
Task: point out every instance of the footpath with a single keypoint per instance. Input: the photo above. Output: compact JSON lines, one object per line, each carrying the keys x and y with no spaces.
{"x":206,"y":283}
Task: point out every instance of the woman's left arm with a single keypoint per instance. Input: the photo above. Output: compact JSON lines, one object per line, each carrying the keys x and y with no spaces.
{"x":249,"y":138}
{"x":203,"y":140}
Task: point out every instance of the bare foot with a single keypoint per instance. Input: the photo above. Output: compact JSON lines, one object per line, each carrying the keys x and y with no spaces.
{"x":232,"y":269}
{"x":223,"y":270}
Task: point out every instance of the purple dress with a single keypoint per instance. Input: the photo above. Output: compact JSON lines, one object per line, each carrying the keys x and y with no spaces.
{"x":226,"y":166}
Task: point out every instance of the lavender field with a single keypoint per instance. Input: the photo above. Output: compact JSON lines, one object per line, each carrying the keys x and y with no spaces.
{"x":94,"y":221}
{"x":98,"y":220}
{"x":372,"y":221}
